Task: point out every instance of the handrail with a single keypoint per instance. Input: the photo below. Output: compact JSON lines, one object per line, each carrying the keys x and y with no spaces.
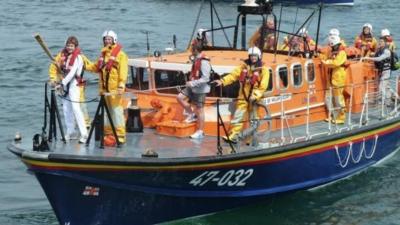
{"x":367,"y":110}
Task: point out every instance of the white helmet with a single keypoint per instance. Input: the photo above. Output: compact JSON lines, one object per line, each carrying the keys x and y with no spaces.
{"x":334,"y":32}
{"x":110,"y":33}
{"x":200,"y":33}
{"x":385,"y":32}
{"x":254,"y":51}
{"x":303,"y":31}
{"x":334,"y":40}
{"x":369,"y":26}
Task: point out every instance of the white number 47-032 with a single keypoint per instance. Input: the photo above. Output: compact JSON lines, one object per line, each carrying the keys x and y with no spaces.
{"x":229,"y":178}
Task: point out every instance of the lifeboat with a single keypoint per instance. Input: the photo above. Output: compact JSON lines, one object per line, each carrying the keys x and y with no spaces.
{"x":160,"y":174}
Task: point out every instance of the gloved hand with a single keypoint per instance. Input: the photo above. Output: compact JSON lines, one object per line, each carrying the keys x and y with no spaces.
{"x":60,"y":89}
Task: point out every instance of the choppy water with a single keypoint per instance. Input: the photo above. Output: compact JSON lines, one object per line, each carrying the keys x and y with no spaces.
{"x":369,"y":198}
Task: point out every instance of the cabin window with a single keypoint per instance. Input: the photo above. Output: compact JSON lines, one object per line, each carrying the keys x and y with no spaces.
{"x":310,"y":70}
{"x":168,"y":80}
{"x":297,"y":75}
{"x":139,"y":78}
{"x":283,"y":77}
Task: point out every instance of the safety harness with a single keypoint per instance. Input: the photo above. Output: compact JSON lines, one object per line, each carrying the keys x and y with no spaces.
{"x":253,"y":79}
{"x":365,"y":40}
{"x":335,"y":52}
{"x":196,"y":72}
{"x":101,"y":64}
{"x":384,"y":64}
{"x":67,"y":68}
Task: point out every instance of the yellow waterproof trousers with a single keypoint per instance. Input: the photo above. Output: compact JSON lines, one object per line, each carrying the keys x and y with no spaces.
{"x":243,"y":108}
{"x":115,"y":106}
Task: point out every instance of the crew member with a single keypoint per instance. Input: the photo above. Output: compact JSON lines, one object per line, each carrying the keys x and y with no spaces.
{"x":196,"y":89}
{"x":382,"y":61}
{"x":389,"y":39}
{"x":300,"y":43}
{"x":202,"y":38}
{"x":253,"y":77}
{"x":70,"y":62}
{"x":112,"y":66}
{"x":336,"y":32}
{"x":366,"y":41}
{"x":336,"y":63}
{"x":269,"y":37}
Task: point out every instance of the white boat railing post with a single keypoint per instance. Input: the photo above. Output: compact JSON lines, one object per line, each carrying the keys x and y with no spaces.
{"x":308,"y":116}
{"x":382,"y":92}
{"x":330,"y":106}
{"x":349,"y":122}
{"x":396,"y":94}
{"x":367,"y":101}
{"x":282,"y":117}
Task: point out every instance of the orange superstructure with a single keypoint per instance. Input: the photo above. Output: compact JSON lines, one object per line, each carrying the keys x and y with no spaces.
{"x":298,"y":86}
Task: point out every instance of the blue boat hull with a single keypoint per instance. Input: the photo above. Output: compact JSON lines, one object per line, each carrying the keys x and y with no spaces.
{"x":83,"y":192}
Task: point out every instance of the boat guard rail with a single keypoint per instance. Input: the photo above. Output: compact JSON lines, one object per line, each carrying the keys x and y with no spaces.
{"x":374,"y":103}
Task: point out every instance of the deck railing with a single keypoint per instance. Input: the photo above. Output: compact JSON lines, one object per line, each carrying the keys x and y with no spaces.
{"x":374,"y":107}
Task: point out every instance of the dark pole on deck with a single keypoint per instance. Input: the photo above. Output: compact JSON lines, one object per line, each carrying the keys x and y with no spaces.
{"x":220,"y":24}
{"x":235,"y":35}
{"x":319,"y":25}
{"x":218,"y":132}
{"x":295,"y":19}
{"x":212,"y":21}
{"x":244,"y":32}
{"x":46,"y":106}
{"x":195,"y":25}
{"x":277,"y":35}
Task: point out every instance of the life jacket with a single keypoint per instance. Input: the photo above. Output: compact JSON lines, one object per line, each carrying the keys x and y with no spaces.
{"x":101,"y":64}
{"x":107,"y":65}
{"x":255,"y":77}
{"x":66,"y":68}
{"x":365,"y":41}
{"x":64,"y":57}
{"x":335,"y":52}
{"x":196,"y":72}
{"x":384,"y":64}
{"x":252,"y":79}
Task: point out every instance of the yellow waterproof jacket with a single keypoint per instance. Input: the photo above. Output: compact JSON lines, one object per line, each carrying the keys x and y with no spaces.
{"x":337,"y":64}
{"x":259,"y":87}
{"x":368,"y":46}
{"x":118,"y":74}
{"x":269,"y":42}
{"x":298,"y":41}
{"x":55,"y":74}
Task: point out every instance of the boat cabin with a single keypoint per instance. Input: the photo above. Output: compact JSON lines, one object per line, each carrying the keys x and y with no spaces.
{"x":298,"y":87}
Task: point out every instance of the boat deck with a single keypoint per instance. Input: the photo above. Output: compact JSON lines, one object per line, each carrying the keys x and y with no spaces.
{"x":173,"y":147}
